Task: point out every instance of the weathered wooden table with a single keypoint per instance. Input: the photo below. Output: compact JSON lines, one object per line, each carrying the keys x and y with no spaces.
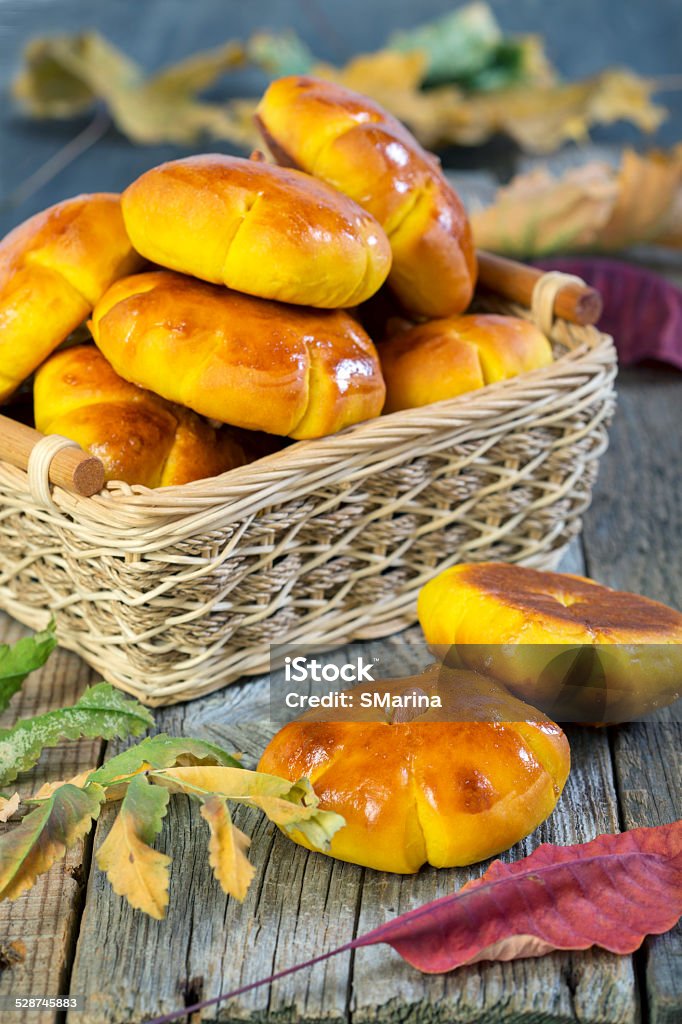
{"x":71,"y":934}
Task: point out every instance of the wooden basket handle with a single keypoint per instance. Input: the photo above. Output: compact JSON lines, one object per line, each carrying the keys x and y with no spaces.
{"x":575,"y":302}
{"x":69,"y":466}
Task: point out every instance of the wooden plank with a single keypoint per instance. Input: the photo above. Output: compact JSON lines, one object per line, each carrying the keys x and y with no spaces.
{"x":637,"y":545}
{"x":301,"y":904}
{"x":38,"y":930}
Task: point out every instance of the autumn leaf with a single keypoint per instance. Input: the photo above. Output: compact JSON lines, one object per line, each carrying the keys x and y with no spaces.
{"x":292,"y":806}
{"x":592,"y":207}
{"x":134,"y":869}
{"x":102,"y":712}
{"x":610,"y":892}
{"x":9,"y":806}
{"x":18,"y":661}
{"x":44,"y":835}
{"x":65,"y":75}
{"x":48,"y":788}
{"x":161,"y":751}
{"x":227,"y":848}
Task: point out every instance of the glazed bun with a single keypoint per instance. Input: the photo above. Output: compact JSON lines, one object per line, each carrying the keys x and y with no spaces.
{"x":259,"y":229}
{"x":237,"y":359}
{"x":444,"y":358}
{"x":574,"y":648}
{"x":140,"y":438}
{"x":352,"y":143}
{"x":53,"y":269}
{"x":452,"y":786}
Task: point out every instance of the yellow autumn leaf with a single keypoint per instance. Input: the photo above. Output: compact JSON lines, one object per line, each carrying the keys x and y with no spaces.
{"x":48,"y":788}
{"x":43,"y":837}
{"x":8,"y":806}
{"x":227,"y":848}
{"x":134,"y":869}
{"x":593,"y":207}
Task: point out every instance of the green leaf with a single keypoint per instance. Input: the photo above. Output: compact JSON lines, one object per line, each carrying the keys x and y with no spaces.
{"x":161,"y":752}
{"x":281,"y":53}
{"x":28,"y":654}
{"x":134,"y":869}
{"x":458,"y":45}
{"x":43,"y":837}
{"x":102,"y":712}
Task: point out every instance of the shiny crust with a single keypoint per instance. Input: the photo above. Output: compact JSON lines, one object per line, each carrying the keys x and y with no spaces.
{"x":256,"y":364}
{"x":444,"y":358}
{"x":511,"y":620}
{"x":140,"y":438}
{"x":53,"y":269}
{"x":352,"y":143}
{"x":448,"y":793}
{"x":259,"y":229}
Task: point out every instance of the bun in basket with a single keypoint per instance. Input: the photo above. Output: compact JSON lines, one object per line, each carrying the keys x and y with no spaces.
{"x":443,"y":358}
{"x":260,"y":229}
{"x":451,"y":787}
{"x":572,"y":647}
{"x":355,"y":145}
{"x":53,"y":269}
{"x":256,"y":364}
{"x":140,"y":438}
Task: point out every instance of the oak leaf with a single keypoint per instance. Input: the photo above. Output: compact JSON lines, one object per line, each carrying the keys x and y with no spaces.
{"x":134,"y":869}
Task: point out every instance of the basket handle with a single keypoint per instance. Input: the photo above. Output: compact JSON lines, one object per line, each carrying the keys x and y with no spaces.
{"x":574,"y":301}
{"x":49,"y":459}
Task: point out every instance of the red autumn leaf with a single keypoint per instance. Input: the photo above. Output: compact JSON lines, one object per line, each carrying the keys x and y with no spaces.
{"x":610,"y":892}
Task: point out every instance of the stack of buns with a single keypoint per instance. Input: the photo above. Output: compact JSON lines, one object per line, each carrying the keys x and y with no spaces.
{"x":227,"y":295}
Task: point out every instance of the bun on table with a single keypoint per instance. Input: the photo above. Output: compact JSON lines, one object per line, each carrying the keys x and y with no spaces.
{"x":452,"y":786}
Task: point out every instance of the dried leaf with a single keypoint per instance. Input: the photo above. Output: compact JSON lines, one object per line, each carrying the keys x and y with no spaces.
{"x":610,"y":892}
{"x":227,"y":848}
{"x":102,"y":712}
{"x":9,"y":806}
{"x":291,"y":806}
{"x":595,"y":207}
{"x":64,"y":75}
{"x":28,"y":654}
{"x":44,"y":836}
{"x":134,"y":869}
{"x":48,"y":788}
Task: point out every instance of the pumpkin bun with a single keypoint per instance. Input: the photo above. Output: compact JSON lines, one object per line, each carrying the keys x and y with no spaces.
{"x":53,"y":269}
{"x":572,"y":647}
{"x":444,"y":358}
{"x":356,"y":146}
{"x":452,"y":786}
{"x":260,"y":229}
{"x":255,"y":364}
{"x":139,"y":437}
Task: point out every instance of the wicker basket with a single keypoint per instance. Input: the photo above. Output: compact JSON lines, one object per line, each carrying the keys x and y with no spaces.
{"x":173,"y":593}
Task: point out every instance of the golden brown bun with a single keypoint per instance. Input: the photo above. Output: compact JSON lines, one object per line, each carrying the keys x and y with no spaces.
{"x":53,"y":269}
{"x":140,"y":438}
{"x":525,"y":627}
{"x":259,"y":229}
{"x":355,"y":145}
{"x":451,"y":787}
{"x":444,"y":358}
{"x":237,"y":359}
